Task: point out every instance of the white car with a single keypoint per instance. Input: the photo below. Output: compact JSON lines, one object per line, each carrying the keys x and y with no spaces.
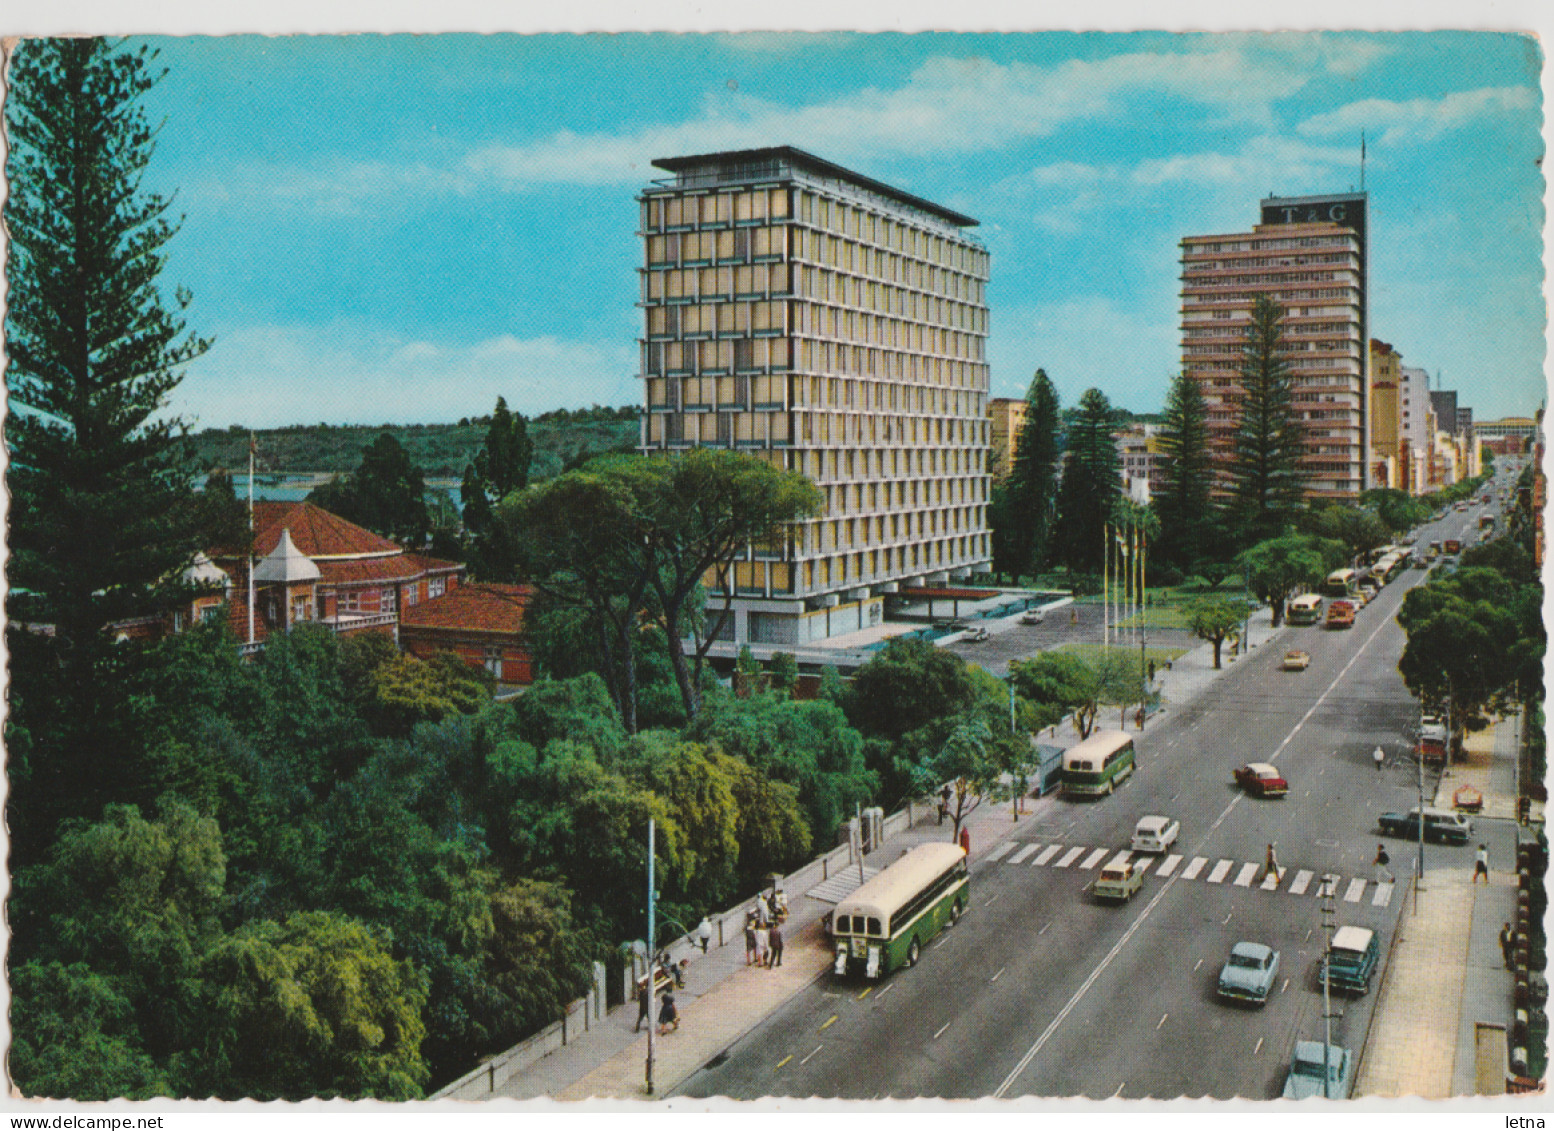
{"x":1033,"y":616}
{"x":1156,"y":834}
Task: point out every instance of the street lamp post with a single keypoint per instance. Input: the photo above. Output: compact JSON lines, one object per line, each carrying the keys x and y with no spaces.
{"x":652,"y":938}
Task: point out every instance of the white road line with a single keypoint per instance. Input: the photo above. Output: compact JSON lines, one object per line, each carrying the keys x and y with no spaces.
{"x":942,"y":1028}
{"x":1069,"y":857}
{"x":998,"y":975}
{"x":1143,"y":865}
{"x":1192,"y":870}
{"x":1024,"y":853}
{"x":1047,"y":854}
{"x":807,"y":1058}
{"x":1383,"y":895}
{"x":1199,"y":963}
{"x":1168,"y":866}
{"x":1002,"y":850}
{"x":885,"y":991}
{"x":992,"y":901}
{"x":1093,"y":859}
{"x":1161,"y":1022}
{"x":1356,"y":889}
{"x":1121,"y":858}
{"x":1244,"y":877}
{"x":1273,"y":879}
{"x":1302,"y":881}
{"x":1221,"y":870}
{"x":1259,"y":1046}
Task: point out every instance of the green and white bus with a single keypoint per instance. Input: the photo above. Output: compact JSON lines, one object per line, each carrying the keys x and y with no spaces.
{"x":1097,"y":764}
{"x":1340,"y":583}
{"x":885,"y":924}
{"x":1305,"y":609}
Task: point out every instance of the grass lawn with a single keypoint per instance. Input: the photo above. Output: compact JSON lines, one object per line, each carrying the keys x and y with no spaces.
{"x":1093,"y":652}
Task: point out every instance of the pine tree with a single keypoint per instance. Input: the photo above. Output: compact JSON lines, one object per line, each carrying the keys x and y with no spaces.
{"x":1183,"y":504}
{"x":1265,"y":470}
{"x":103,"y":511}
{"x":1092,"y":483}
{"x":498,"y":469}
{"x":1031,"y":492}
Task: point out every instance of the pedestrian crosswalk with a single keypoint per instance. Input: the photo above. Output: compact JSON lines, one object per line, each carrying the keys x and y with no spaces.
{"x":1232,"y":873}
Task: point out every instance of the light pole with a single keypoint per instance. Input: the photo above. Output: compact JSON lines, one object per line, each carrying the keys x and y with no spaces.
{"x":652,"y":938}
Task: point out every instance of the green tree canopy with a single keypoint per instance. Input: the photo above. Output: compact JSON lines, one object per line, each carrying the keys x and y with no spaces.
{"x":1281,"y":568}
{"x":1187,"y":518}
{"x":1266,"y":478}
{"x":386,"y":494}
{"x":1216,"y":621}
{"x":499,"y":468}
{"x":1027,"y":498}
{"x":1091,"y":485}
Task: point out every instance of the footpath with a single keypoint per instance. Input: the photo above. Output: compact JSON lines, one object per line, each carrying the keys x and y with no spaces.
{"x":1445,"y":978}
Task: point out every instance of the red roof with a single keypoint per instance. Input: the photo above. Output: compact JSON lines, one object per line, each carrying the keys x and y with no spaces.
{"x":472,"y":608}
{"x":317,"y":533}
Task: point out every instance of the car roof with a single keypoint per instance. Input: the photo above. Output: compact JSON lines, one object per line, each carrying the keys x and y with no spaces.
{"x":1263,"y":769}
{"x":1352,"y":938}
{"x":1153,"y":822}
{"x":1252,"y":949}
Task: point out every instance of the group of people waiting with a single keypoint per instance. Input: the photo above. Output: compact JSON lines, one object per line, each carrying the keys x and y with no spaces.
{"x":763,"y":930}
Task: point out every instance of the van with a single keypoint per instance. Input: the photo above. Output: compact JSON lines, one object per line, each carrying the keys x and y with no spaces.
{"x":1352,"y":959}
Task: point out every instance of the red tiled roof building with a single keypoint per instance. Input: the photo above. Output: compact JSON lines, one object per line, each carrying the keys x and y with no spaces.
{"x":482,"y":624}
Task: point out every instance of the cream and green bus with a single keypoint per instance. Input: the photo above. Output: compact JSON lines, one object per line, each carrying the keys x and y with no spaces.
{"x":1097,"y":764}
{"x":885,"y":924}
{"x":1305,"y":609}
{"x":1340,"y":583}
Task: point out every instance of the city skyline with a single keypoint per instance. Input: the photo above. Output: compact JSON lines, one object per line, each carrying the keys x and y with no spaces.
{"x":389,"y":229}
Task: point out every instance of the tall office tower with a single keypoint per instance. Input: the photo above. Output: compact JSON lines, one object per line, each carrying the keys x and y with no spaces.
{"x":1386,"y":411}
{"x":1418,"y":425}
{"x":829,"y":324}
{"x":1444,"y":401}
{"x":1008,"y":416}
{"x":1308,"y":255}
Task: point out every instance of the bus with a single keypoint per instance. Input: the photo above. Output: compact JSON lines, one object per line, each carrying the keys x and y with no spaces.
{"x":885,"y":924}
{"x":1306,"y":609}
{"x":1387,"y":568}
{"x":1097,"y":764}
{"x":1339,"y":583}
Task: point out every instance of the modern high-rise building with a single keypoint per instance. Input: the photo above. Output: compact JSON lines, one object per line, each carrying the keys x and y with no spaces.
{"x":834,"y":325}
{"x":1309,"y":256}
{"x":1386,"y":412}
{"x":1418,"y":428}
{"x":1008,"y":416}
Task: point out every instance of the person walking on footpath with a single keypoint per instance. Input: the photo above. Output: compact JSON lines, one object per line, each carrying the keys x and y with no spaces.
{"x":761,"y":938}
{"x":750,"y":939}
{"x":704,"y":933}
{"x":644,"y":1004}
{"x":1507,"y":945}
{"x":668,"y":1015}
{"x":774,"y":947}
{"x":1378,"y":756}
{"x":1481,"y":864}
{"x":1381,"y":862}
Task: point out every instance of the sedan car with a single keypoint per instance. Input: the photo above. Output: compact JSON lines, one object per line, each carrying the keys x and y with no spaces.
{"x":974,"y":635}
{"x":1296,"y":660}
{"x":1033,"y":616}
{"x":1262,"y":780}
{"x":1249,"y":973}
{"x":1306,"y":1071}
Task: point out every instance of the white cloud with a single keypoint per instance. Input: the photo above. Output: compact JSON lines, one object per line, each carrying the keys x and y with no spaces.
{"x":1421,"y":119}
{"x":338,"y":188}
{"x":265,"y":376}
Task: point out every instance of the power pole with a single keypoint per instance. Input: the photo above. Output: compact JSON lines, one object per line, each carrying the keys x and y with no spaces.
{"x":1328,"y":912}
{"x":652,"y":974}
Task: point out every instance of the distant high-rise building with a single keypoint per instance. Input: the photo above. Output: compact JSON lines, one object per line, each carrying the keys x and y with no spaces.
{"x":1386,"y":412}
{"x":830,"y":324}
{"x":1418,"y":427}
{"x":1008,"y":415}
{"x":1309,"y":256}
{"x":1444,"y":401}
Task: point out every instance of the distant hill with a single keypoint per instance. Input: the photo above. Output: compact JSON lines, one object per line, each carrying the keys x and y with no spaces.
{"x":561,"y":438}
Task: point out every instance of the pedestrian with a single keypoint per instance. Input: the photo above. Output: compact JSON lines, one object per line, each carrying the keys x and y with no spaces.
{"x":1152,"y":671}
{"x":761,"y":938}
{"x":668,"y":1015}
{"x":644,"y":1003}
{"x":704,"y":933}
{"x":1378,"y":756}
{"x":1481,"y":864}
{"x":944,"y":804}
{"x":774,"y":944}
{"x":750,"y":939}
{"x":1381,"y":862}
{"x":1507,"y":945}
{"x":1271,"y":865}
{"x":965,"y":841}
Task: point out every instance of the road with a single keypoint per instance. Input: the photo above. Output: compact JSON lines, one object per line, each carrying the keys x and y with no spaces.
{"x":1042,"y":991}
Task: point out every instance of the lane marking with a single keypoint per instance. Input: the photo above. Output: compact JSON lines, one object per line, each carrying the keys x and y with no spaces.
{"x":1069,"y":857}
{"x":998,"y":975}
{"x":1043,"y":930}
{"x":784,"y":1060}
{"x":1244,"y":876}
{"x":1143,"y":865}
{"x":1383,"y":895}
{"x":1024,"y":852}
{"x":992,"y":901}
{"x":1221,"y":870}
{"x":1048,"y":853}
{"x":807,"y":1058}
{"x":1273,"y":879}
{"x":1226,"y":919}
{"x":1002,"y":850}
{"x":1356,"y":889}
{"x":1199,"y":963}
{"x":1259,"y":1046}
{"x":829,"y":1023}
{"x":1192,"y":870}
{"x":1302,"y":882}
{"x":886,"y":990}
{"x":1168,"y":866}
{"x":866,"y":992}
{"x":1093,"y":859}
{"x":1285,"y":986}
{"x":942,"y":1028}
{"x":1121,"y":858}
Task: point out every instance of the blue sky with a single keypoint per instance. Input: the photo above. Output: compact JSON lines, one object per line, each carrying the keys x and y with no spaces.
{"x":402,"y":228}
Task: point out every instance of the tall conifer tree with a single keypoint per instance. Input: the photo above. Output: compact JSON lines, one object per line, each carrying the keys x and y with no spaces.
{"x":498,"y":469}
{"x":1033,"y":478}
{"x":1265,"y":470}
{"x":1092,"y":483}
{"x":1183,"y":503}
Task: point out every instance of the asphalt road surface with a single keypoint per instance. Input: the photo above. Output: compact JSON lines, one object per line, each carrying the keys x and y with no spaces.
{"x":1041,"y":990}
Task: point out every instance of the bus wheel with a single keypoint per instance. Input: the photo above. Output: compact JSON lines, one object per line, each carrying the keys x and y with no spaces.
{"x":912,"y":953}
{"x":955,"y":913}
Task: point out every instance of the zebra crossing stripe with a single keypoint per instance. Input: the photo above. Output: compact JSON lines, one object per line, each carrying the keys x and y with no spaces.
{"x":1048,"y":853}
{"x":1143,"y":865}
{"x":1168,"y":866}
{"x":1244,"y":877}
{"x":1195,"y":867}
{"x":1221,"y":870}
{"x":1001,"y":851}
{"x":1069,"y":857}
{"x":1028,"y":850}
{"x":1302,"y":881}
{"x":1093,"y":859}
{"x":1383,"y":895}
{"x":1273,"y":879}
{"x":1121,"y":858}
{"x":1356,"y":889}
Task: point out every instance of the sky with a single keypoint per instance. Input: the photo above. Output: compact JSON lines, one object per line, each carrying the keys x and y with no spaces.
{"x":399,"y":228}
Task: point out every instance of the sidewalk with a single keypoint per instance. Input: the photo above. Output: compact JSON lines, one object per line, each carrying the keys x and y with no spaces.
{"x":1447,"y":973}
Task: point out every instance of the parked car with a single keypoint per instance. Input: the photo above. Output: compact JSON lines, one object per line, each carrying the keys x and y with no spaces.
{"x":1296,"y":661}
{"x":1118,"y":882}
{"x":1440,"y":825}
{"x":1307,"y":1069}
{"x":1262,"y":779}
{"x":1354,"y":955}
{"x":1156,"y":834}
{"x":1249,"y":972}
{"x":974,"y":635}
{"x":1033,"y":616}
